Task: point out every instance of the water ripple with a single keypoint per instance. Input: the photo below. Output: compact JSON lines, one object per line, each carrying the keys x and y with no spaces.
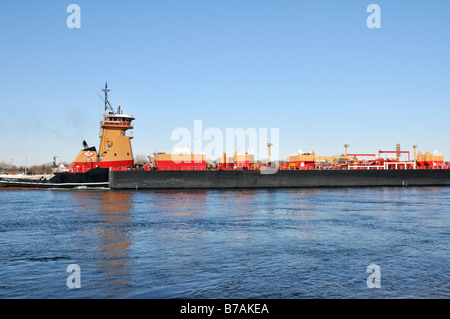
{"x":286,"y":243}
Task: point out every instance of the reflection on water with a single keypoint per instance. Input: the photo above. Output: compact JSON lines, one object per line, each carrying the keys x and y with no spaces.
{"x":113,"y":235}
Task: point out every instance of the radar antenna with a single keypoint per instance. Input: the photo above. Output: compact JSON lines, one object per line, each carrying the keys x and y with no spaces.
{"x":107,"y":104}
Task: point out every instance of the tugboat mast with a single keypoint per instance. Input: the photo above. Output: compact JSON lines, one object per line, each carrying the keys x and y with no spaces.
{"x":106,"y":98}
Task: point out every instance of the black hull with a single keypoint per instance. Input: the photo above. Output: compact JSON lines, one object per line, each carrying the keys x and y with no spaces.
{"x":280,"y":179}
{"x":97,"y":177}
{"x":102,"y":177}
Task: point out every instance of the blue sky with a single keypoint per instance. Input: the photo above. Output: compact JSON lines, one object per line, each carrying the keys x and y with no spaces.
{"x":312,"y":69}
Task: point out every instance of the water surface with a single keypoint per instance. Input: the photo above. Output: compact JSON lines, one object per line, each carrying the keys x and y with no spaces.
{"x":284,"y":243}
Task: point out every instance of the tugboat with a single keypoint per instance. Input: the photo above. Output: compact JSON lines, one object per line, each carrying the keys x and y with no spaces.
{"x":90,"y":167}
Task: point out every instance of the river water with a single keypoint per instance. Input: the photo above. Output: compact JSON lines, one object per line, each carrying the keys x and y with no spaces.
{"x":265,"y":244}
